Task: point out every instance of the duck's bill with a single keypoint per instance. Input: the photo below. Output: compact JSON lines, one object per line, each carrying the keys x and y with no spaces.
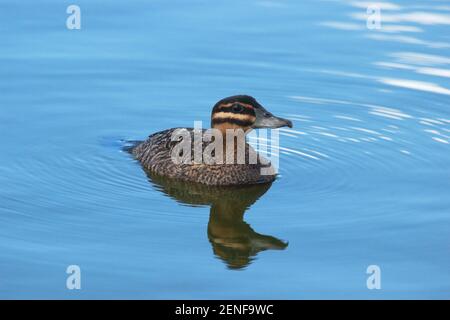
{"x":265,"y":119}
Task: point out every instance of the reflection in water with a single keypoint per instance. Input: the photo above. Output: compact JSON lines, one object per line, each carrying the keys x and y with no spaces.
{"x":232,"y":239}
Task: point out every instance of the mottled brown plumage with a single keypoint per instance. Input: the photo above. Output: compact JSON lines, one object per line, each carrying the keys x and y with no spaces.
{"x":244,"y":112}
{"x":155,"y":155}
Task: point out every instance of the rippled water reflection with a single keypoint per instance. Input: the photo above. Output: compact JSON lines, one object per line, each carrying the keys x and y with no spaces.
{"x":364,"y":173}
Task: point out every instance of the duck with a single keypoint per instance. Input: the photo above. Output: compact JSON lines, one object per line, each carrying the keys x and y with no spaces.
{"x":231,"y":113}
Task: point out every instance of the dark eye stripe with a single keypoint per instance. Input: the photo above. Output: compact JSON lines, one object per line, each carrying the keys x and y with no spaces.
{"x":244,"y":110}
{"x":241,"y":123}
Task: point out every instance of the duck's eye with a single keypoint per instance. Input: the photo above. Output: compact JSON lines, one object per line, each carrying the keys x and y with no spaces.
{"x":237,"y":108}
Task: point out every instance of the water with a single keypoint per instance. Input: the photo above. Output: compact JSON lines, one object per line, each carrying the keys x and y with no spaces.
{"x":364,"y":173}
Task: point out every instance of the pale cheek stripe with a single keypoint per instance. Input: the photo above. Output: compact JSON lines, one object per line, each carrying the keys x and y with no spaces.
{"x":230,"y":115}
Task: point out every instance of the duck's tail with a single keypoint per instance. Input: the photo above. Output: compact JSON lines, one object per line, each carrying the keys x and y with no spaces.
{"x":129,"y":145}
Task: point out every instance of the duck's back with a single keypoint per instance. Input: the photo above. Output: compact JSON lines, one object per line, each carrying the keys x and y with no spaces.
{"x":155,"y":155}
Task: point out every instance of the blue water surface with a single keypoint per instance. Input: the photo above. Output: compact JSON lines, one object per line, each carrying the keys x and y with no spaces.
{"x":364,"y":174}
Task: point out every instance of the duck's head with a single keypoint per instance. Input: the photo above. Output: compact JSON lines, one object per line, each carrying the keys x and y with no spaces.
{"x":244,"y":112}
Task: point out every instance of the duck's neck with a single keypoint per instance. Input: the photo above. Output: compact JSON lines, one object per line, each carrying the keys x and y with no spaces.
{"x":232,"y":135}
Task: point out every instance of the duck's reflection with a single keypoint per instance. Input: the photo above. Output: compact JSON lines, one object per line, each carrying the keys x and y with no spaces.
{"x":232,"y":239}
